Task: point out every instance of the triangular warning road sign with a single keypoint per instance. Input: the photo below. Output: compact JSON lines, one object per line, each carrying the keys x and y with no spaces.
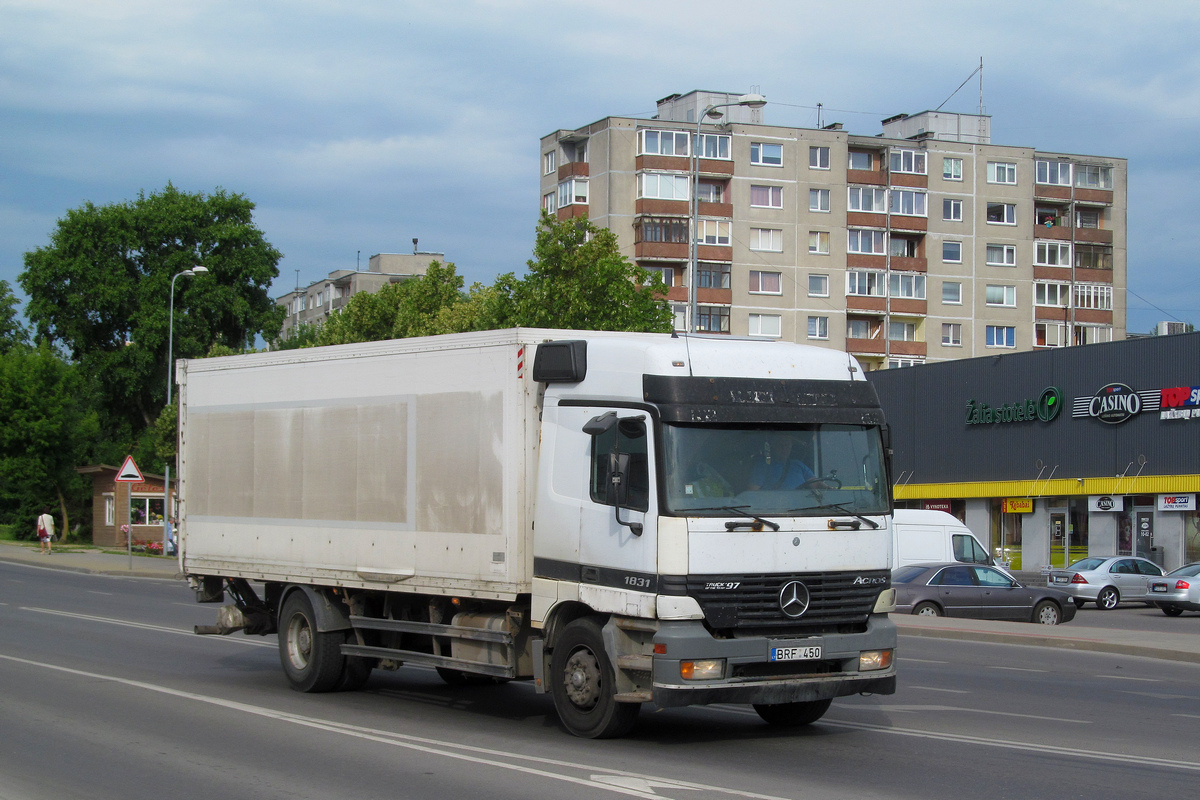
{"x":129,"y":472}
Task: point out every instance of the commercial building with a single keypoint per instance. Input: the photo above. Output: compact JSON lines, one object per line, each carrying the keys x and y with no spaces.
{"x":926,"y":243}
{"x":312,"y":304}
{"x":1056,"y":455}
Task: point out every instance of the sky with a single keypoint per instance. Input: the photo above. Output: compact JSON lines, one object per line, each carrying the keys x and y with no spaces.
{"x":356,"y":127}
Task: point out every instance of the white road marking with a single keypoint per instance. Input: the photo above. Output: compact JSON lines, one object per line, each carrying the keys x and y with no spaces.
{"x":1189,"y":716}
{"x":939,"y":689}
{"x":990,"y":712}
{"x":106,"y":594}
{"x":145,"y":626}
{"x":501,"y":759}
{"x":1128,"y":678}
{"x":908,"y":660}
{"x":1018,"y":669}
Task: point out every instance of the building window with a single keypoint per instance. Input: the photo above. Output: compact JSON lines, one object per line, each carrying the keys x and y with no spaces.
{"x":951,"y":334}
{"x":714,"y":319}
{"x":952,"y":169}
{"x":548,"y":203}
{"x":867,"y":198}
{"x":1001,"y":336}
{"x":1093,"y":296}
{"x":908,"y":286}
{"x":712,"y":275}
{"x":663,"y":185}
{"x":1088,"y":177}
{"x":818,"y":327}
{"x":896,"y":362}
{"x":1054,"y":173}
{"x":1002,"y":213}
{"x":818,"y":242}
{"x":859,"y":159}
{"x":1052,"y":254}
{"x":952,"y":252}
{"x":818,"y":200}
{"x":952,"y":210}
{"x":713,"y":145}
{"x":663,"y":143}
{"x":818,"y":285}
{"x":661,"y":229}
{"x":865,"y":241}
{"x":1049,"y":334}
{"x":858,"y":329}
{"x":765,"y":282}
{"x":818,"y":158}
{"x":1093,"y":256}
{"x":680,"y":313}
{"x":548,"y":160}
{"x":571,"y":192}
{"x":910,"y":161}
{"x":952,"y":293}
{"x":666,"y":273}
{"x":997,"y":295}
{"x":902,"y":331}
{"x":710,"y":192}
{"x":864,"y":283}
{"x":766,"y":196}
{"x":110,"y":510}
{"x":908,"y":203}
{"x":766,"y":155}
{"x":1001,"y":172}
{"x":902,"y":246}
{"x":1087,"y":218}
{"x":712,"y":231}
{"x":1054,"y":295}
{"x":1092,"y":334}
{"x":1002,"y":255}
{"x":765,"y":325}
{"x":768,"y":239}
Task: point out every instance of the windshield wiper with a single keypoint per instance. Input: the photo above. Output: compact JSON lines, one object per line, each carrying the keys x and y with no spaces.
{"x":837,"y":507}
{"x":741,"y":511}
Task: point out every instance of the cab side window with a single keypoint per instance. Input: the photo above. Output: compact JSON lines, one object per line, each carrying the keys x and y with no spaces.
{"x":627,"y":437}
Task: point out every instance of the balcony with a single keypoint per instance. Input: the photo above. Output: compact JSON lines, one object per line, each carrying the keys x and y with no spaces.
{"x":715,"y":209}
{"x":572,"y":169}
{"x":671,"y":208}
{"x":870,"y":347}
{"x":908,"y":179}
{"x":855,"y":302}
{"x":905,"y":223}
{"x":908,"y":348}
{"x":910,"y":263}
{"x":672,"y":163}
{"x":866,"y":176}
{"x":1093,"y":235}
{"x":665,"y":251}
{"x":909,"y":306}
{"x":1101,"y":196}
{"x":864,"y":219}
{"x":865,"y":261}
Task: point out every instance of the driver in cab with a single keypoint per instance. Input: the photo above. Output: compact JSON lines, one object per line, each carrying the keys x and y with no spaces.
{"x":778,"y":468}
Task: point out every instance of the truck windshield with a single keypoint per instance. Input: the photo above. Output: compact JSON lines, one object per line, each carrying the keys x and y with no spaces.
{"x":799,"y":470}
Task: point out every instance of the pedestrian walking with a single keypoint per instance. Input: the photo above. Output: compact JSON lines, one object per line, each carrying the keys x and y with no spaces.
{"x":45,"y":530}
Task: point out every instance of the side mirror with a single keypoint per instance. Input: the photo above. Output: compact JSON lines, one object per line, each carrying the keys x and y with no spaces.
{"x":618,"y":470}
{"x":600,"y":424}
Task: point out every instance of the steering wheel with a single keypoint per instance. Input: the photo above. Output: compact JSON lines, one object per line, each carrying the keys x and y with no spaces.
{"x":830,"y":481}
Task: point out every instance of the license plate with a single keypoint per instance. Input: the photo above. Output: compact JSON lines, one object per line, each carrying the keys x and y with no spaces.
{"x":1060,"y":579}
{"x":795,"y":653}
{"x":1158,"y":587}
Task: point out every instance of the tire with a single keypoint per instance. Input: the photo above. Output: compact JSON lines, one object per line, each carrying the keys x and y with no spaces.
{"x":1108,"y":598}
{"x":312,"y":661}
{"x":1171,"y":611}
{"x":927,"y":610}
{"x":584,"y":684}
{"x":1079,"y":603}
{"x":1047,"y":613}
{"x":792,"y":715}
{"x":356,"y":670}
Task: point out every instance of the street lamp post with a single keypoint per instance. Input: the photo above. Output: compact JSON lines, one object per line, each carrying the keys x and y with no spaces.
{"x":750,"y":101}
{"x":187,"y":273}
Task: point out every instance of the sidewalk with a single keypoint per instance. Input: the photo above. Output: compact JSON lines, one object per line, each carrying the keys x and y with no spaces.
{"x":1171,"y":646}
{"x":91,"y":561}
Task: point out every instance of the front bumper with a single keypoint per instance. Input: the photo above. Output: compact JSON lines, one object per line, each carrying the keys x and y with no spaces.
{"x":750,"y":676}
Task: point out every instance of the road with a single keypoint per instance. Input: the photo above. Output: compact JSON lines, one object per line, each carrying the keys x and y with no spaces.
{"x":107,"y":694}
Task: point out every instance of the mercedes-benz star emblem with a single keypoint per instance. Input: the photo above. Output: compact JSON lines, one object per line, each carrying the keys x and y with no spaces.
{"x":793,"y":599}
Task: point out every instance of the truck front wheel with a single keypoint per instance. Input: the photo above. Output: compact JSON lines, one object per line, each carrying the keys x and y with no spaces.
{"x":312,"y":661}
{"x":584,"y":684}
{"x":792,"y":715}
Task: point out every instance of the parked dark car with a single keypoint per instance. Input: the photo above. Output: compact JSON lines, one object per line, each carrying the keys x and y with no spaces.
{"x":976,"y":592}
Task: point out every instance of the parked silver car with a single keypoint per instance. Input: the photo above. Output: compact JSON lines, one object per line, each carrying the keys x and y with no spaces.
{"x":1106,"y":580}
{"x":1179,"y":591}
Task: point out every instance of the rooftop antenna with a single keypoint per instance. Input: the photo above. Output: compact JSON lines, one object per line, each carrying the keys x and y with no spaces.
{"x":414,"y":245}
{"x":978,"y":69}
{"x":819,"y":105}
{"x":297,"y":280}
{"x":357,"y":260}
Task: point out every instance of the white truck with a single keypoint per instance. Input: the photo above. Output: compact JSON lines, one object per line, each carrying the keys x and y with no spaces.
{"x":598,"y":512}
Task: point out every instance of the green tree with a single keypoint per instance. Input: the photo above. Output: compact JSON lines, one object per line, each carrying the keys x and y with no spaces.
{"x":46,"y":430}
{"x":579,"y":279}
{"x":100,"y":290}
{"x":12,"y":332}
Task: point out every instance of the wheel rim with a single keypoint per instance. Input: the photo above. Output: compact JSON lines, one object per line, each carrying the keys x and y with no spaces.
{"x":582,"y":679}
{"x":1109,"y":599}
{"x":927,"y":611}
{"x":1048,"y":616}
{"x":299,"y":642}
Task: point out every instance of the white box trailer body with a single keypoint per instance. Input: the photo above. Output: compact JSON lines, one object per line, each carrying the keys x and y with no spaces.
{"x":929,"y":537}
{"x":434,"y":501}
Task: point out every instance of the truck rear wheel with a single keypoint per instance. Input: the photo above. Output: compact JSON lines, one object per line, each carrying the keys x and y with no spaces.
{"x":312,"y":661}
{"x":793,"y":715}
{"x":584,"y":684}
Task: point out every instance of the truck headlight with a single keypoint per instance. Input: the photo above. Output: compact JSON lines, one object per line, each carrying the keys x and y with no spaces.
{"x":870,"y":660}
{"x":711,"y":669}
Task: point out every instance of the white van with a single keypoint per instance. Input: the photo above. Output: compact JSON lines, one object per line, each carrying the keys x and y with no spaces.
{"x":931,"y":537}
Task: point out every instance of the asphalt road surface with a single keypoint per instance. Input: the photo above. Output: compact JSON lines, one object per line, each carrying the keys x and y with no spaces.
{"x":106,"y":693}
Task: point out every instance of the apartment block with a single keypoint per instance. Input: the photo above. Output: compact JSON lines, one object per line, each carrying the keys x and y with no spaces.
{"x":924,"y":243}
{"x":312,"y":304}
